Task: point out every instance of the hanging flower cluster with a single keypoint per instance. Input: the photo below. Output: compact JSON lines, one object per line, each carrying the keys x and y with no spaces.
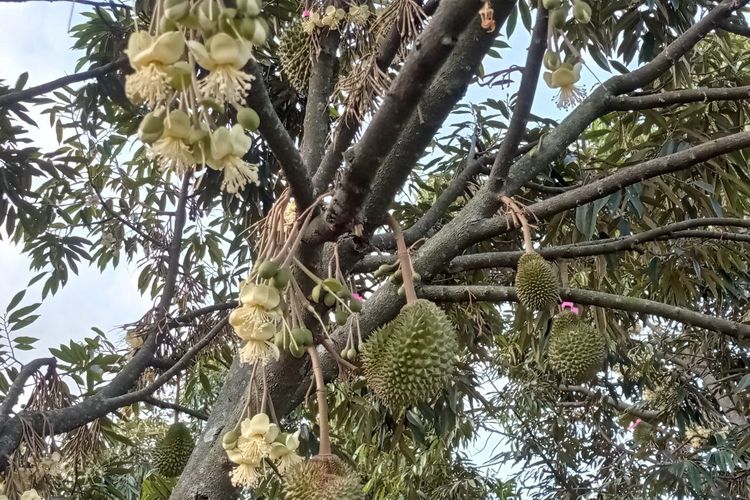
{"x":255,"y":322}
{"x":188,"y":126}
{"x":564,"y":75}
{"x":333,"y":18}
{"x":259,"y":440}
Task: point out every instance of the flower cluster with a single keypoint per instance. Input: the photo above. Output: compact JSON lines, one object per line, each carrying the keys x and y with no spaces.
{"x":186,"y":126}
{"x":31,"y":494}
{"x":259,"y":440}
{"x":255,"y":322}
{"x":333,"y":18}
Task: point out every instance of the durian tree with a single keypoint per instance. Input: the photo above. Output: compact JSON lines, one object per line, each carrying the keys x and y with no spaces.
{"x":366,"y":253}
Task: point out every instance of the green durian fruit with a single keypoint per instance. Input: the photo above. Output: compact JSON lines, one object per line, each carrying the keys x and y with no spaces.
{"x":322,"y":479}
{"x":575,"y":350}
{"x":296,"y":53}
{"x":172,"y":453}
{"x":536,"y":282}
{"x":410,"y":359}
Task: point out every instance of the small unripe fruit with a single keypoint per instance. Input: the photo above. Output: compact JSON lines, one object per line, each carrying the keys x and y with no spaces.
{"x":229,"y":440}
{"x":351,"y":354}
{"x":558,"y":17}
{"x":551,"y":60}
{"x":281,"y":280}
{"x":247,"y":28}
{"x":248,"y":118}
{"x":174,"y":10}
{"x":151,"y":128}
{"x":297,"y":350}
{"x":551,"y":4}
{"x":341,"y":317}
{"x":355,"y":305}
{"x":268,"y":269}
{"x":329,"y":299}
{"x":302,"y":336}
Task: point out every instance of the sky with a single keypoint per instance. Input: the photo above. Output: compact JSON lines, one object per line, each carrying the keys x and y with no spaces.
{"x":106,"y":300}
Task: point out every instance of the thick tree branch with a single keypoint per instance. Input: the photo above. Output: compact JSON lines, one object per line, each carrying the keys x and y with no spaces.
{"x":664,"y":99}
{"x":448,"y":88}
{"x":25,"y":94}
{"x":93,"y":3}
{"x":282,"y":146}
{"x":16,"y":389}
{"x":525,"y":96}
{"x":621,"y":178}
{"x":488,"y":260}
{"x":166,"y":405}
{"x":366,"y":157}
{"x":630,"y":409}
{"x":317,"y":121}
{"x":483,"y":293}
{"x":348,"y":128}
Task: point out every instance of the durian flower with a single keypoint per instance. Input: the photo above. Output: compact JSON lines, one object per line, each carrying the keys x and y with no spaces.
{"x":227,"y":149}
{"x":151,"y":58}
{"x":173,"y":147}
{"x":224,"y":57}
{"x":283,"y":451}
{"x":290,"y":215}
{"x":359,"y":14}
{"x":311,"y":22}
{"x":246,"y":475}
{"x":254,"y":441}
{"x":31,"y":495}
{"x":258,"y":346}
{"x":565,"y":78}
{"x":332,"y":17}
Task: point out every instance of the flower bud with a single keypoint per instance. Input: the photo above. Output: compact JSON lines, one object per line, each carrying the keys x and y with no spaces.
{"x":558,"y":17}
{"x":551,"y":60}
{"x":261,"y":32}
{"x":174,"y":10}
{"x":582,"y":12}
{"x":551,"y":4}
{"x":151,"y":128}
{"x":248,"y":118}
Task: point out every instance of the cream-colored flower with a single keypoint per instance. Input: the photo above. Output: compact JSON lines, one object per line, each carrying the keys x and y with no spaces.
{"x":283,"y":451}
{"x":151,"y":58}
{"x":697,"y":436}
{"x":254,"y":441}
{"x":245,"y":475}
{"x":31,"y":495}
{"x":290,"y":215}
{"x":259,"y":348}
{"x":227,"y":149}
{"x":565,"y":78}
{"x":173,"y":147}
{"x":332,"y":17}
{"x":224,"y":57}
{"x":359,"y":14}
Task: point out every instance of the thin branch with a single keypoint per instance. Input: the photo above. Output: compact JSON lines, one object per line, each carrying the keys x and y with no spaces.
{"x":630,"y":409}
{"x":166,"y":405}
{"x":281,"y":144}
{"x":366,"y":157}
{"x":664,"y":99}
{"x":619,"y":179}
{"x":525,"y":96}
{"x":184,"y":319}
{"x":484,"y":293}
{"x":124,"y":220}
{"x":404,"y":261}
{"x":16,"y":389}
{"x":21,"y":95}
{"x":125,"y":379}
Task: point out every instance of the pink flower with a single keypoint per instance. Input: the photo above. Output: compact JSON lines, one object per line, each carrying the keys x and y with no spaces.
{"x":569,"y":305}
{"x":634,"y":424}
{"x":306,"y":13}
{"x":357,"y":297}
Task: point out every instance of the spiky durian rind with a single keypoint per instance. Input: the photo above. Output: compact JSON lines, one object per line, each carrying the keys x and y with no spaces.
{"x":322,"y":479}
{"x":295,"y":54}
{"x":536,"y":283}
{"x":576,"y":350}
{"x":410,"y":359}
{"x":172,"y":453}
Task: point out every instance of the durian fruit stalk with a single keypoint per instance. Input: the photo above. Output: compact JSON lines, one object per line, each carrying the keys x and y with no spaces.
{"x":322,"y":478}
{"x":172,"y":453}
{"x":575,"y":350}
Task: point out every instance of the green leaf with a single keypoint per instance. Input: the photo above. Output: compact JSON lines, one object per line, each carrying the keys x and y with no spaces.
{"x":20,"y":313}
{"x":743,"y":384}
{"x":15,"y":300}
{"x":23,"y":78}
